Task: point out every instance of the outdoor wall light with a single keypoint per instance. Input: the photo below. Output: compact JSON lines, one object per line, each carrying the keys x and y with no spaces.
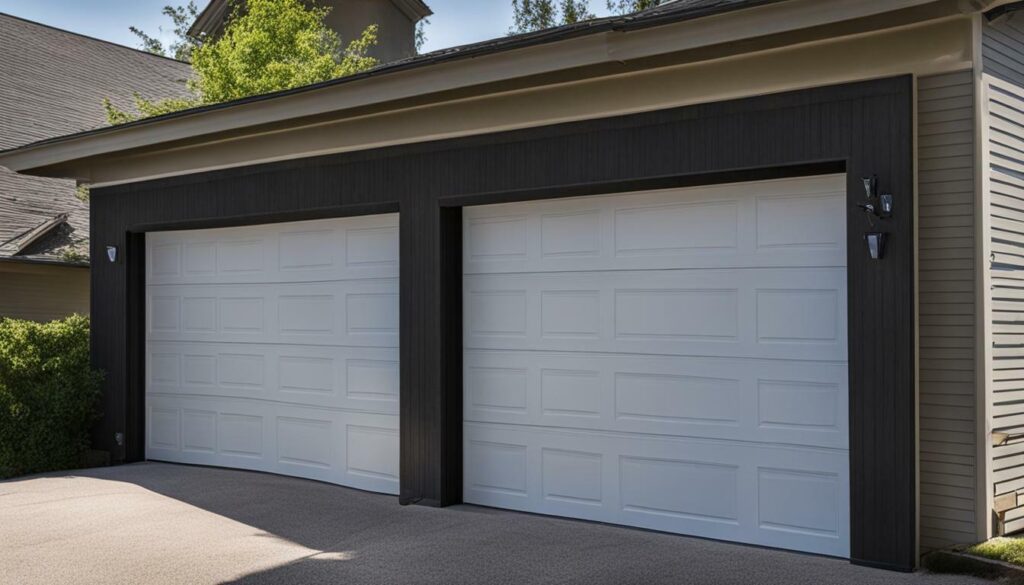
{"x":112,"y":253}
{"x":876,"y":207}
{"x":876,"y":244}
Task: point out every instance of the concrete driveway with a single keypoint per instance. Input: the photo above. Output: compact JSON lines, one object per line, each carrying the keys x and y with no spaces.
{"x":152,"y":523}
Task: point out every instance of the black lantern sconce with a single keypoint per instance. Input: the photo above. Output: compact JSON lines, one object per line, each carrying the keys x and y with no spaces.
{"x":877,"y":207}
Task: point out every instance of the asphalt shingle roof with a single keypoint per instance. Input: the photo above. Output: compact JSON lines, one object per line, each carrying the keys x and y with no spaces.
{"x":52,"y":83}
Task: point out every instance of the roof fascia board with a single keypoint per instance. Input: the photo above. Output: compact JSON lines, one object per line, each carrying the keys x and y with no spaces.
{"x":415,"y":10}
{"x":923,"y":49}
{"x":396,"y":85}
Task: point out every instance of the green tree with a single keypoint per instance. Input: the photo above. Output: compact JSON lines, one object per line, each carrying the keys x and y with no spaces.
{"x":182,"y":18}
{"x":267,"y":45}
{"x":533,"y":15}
{"x":630,"y":6}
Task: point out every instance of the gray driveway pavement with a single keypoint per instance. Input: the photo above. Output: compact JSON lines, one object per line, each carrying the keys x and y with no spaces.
{"x":154,"y":523}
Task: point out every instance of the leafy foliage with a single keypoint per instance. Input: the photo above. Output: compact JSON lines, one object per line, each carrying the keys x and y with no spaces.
{"x":48,"y":395}
{"x":266,"y":46}
{"x":273,"y":45}
{"x":182,"y":18}
{"x":421,"y":34}
{"x":630,"y":6}
{"x":533,"y":15}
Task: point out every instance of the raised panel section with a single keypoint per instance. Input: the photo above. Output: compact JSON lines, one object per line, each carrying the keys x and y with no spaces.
{"x":799,"y":404}
{"x":305,"y":442}
{"x":241,"y":314}
{"x":497,"y":237}
{"x":571,"y":234}
{"x":570,"y":392}
{"x":496,"y":388}
{"x":306,"y":249}
{"x":673,"y":228}
{"x":242,"y":256}
{"x":798,"y":502}
{"x":679,"y":314}
{"x":496,"y":312}
{"x":240,"y":435}
{"x":372,"y":246}
{"x":496,"y":467}
{"x":805,"y":221}
{"x":199,"y":430}
{"x":372,"y":379}
{"x":373,"y":451}
{"x":372,"y":313}
{"x":798,"y":316}
{"x":653,"y":397}
{"x":165,"y":260}
{"x":164,"y":428}
{"x":691,"y":489}
{"x":298,"y":373}
{"x":306,"y":314}
{"x":571,"y":313}
{"x":275,"y":348}
{"x":573,"y":476}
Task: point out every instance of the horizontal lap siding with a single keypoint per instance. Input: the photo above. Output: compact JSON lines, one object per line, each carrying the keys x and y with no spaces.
{"x":51,"y":292}
{"x":1003,"y":55}
{"x":947,"y":309}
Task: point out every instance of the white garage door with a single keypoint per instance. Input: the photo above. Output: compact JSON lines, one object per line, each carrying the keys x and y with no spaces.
{"x":275,"y":348}
{"x":673,"y":360}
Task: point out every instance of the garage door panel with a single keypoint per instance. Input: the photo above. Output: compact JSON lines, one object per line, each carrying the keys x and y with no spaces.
{"x":355,"y":449}
{"x":754,"y":313}
{"x":355,"y":378}
{"x":674,"y":360}
{"x":321,"y":250}
{"x":760,"y":494}
{"x":356,"y":313}
{"x":770,"y":223}
{"x":787,"y":402}
{"x":275,"y":348}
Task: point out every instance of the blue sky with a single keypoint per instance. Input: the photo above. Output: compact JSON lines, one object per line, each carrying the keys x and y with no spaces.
{"x":455,"y":22}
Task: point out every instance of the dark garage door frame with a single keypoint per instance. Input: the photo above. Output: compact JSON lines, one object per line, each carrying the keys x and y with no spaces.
{"x":863,"y":128}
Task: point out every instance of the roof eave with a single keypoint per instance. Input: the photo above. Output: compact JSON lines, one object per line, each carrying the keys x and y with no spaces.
{"x":596,"y":42}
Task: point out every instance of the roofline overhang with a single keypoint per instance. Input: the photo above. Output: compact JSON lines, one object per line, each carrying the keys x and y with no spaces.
{"x":600,"y":42}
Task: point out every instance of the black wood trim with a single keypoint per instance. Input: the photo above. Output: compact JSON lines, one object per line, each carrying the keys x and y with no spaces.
{"x":863,"y":127}
{"x":135,"y":334}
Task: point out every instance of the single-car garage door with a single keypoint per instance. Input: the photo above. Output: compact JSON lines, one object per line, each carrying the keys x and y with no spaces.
{"x":275,"y":348}
{"x":674,"y":360}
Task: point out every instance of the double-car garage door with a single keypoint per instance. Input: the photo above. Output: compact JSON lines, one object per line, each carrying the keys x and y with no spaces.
{"x":674,"y":360}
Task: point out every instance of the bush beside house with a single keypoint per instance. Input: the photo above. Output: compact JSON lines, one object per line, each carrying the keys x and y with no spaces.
{"x":48,"y":395}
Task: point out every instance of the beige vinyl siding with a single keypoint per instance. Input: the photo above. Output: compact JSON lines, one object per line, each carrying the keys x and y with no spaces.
{"x":947,"y":309}
{"x":1003,"y":58}
{"x":1002,"y":49}
{"x":43,"y":293}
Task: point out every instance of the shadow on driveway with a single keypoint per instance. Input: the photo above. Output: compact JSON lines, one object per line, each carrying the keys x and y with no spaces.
{"x":160,"y":523}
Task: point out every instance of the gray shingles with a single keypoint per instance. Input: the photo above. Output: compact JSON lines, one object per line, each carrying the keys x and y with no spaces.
{"x":52,"y":83}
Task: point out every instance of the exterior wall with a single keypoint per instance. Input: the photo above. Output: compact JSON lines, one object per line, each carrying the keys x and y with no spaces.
{"x":43,"y":293}
{"x":947,"y":310}
{"x":1003,"y":90}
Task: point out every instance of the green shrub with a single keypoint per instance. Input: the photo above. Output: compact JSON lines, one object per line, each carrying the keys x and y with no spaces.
{"x":48,"y":395}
